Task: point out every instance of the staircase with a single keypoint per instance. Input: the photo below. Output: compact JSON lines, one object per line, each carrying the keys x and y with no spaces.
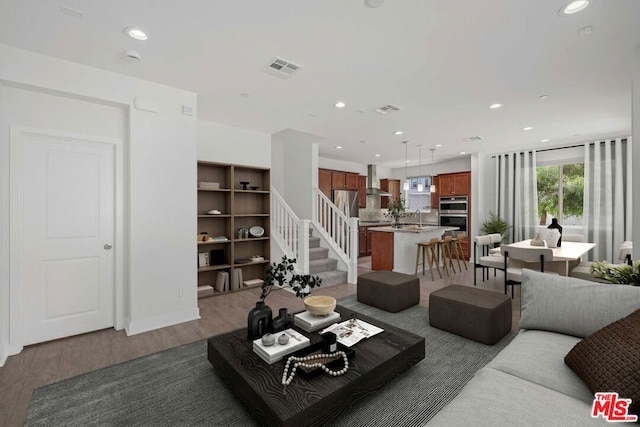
{"x":322,"y":266}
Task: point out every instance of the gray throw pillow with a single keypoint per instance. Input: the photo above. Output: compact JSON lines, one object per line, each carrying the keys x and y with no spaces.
{"x":573,"y":306}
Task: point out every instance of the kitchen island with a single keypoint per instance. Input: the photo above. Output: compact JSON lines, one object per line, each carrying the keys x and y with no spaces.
{"x":395,"y":248}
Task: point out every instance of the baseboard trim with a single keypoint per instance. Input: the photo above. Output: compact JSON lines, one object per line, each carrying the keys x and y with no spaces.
{"x":146,"y":325}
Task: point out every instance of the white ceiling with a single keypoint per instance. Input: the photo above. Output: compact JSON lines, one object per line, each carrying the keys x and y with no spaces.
{"x":441,"y":61}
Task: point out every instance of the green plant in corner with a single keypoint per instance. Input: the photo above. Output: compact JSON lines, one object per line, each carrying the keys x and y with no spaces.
{"x":283,"y":274}
{"x":623,"y":274}
{"x":495,"y":224}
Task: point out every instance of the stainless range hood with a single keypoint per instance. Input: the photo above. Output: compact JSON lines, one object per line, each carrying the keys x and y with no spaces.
{"x":373,"y":185}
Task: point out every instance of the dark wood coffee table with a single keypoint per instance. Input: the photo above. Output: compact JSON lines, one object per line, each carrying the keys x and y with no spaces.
{"x":257,"y":384}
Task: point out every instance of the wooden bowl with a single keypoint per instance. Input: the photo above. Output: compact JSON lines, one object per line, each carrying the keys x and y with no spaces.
{"x":320,"y":305}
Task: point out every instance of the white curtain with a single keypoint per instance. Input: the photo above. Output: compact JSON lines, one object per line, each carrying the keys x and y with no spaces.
{"x":607,"y":196}
{"x":517,"y":194}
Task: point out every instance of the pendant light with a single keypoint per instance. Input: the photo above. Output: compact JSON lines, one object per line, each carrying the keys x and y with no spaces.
{"x":432,"y":188}
{"x":406,"y":180}
{"x":420,"y":183}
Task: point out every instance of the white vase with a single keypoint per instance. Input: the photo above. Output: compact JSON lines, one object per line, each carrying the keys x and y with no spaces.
{"x":552,"y":237}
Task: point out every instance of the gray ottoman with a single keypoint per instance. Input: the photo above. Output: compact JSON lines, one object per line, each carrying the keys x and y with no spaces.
{"x":473,"y":313}
{"x":389,"y":291}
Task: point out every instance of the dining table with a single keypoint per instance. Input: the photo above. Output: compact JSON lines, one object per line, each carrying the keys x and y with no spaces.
{"x":565,"y":257}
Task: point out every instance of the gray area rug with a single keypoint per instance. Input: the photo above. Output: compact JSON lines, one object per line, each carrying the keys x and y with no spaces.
{"x":179,"y":387}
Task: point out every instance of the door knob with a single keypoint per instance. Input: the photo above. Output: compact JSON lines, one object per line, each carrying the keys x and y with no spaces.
{"x":107,"y":246}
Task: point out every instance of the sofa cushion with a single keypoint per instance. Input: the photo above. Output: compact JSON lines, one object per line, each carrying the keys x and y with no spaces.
{"x":572,"y":306}
{"x":494,"y":398}
{"x":609,"y":360}
{"x":538,"y":356}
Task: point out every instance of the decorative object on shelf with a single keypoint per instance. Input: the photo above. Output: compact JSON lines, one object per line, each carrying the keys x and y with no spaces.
{"x":203,"y":185}
{"x":494,"y":225}
{"x":214,"y":212}
{"x":204,"y":236}
{"x":623,"y":274}
{"x":396,"y":210}
{"x":268,"y":339}
{"x":283,"y":274}
{"x":203,"y":259}
{"x":254,"y":188}
{"x":537,"y":241}
{"x":301,"y":362}
{"x":244,"y":184}
{"x":256,"y":231}
{"x":283,"y":321}
{"x":554,"y":225}
{"x":259,"y":321}
{"x":320,"y":305}
{"x":242,"y":261}
{"x":257,"y":258}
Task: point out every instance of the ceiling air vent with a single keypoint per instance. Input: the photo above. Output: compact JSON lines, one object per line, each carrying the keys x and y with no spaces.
{"x":282,"y":68}
{"x":387,"y":109}
{"x":474,"y":138}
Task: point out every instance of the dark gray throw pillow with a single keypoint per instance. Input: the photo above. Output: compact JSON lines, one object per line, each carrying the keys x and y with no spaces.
{"x":609,"y":360}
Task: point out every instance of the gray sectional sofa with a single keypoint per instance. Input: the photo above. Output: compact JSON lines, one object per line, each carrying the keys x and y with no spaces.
{"x":528,"y":383}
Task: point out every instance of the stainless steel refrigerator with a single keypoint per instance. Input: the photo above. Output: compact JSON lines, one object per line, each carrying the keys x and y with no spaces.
{"x":347,"y":201}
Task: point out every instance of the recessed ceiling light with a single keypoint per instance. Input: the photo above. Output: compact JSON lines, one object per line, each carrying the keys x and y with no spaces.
{"x":338,"y":147}
{"x":543,"y":96}
{"x":438,"y":145}
{"x":545,"y":140}
{"x":340,"y":104}
{"x":494,"y":106}
{"x":573,"y":7}
{"x":463,"y":152}
{"x":398,"y":132}
{"x":136,"y":33}
{"x":244,"y":95}
{"x":527,"y":128}
{"x":377,"y":155}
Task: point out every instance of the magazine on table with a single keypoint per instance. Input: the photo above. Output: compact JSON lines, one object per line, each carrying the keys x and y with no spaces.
{"x":352,"y":331}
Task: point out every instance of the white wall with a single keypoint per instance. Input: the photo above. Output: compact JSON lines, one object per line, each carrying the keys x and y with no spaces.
{"x":159,"y":176}
{"x":295,"y":169}
{"x":226,"y":144}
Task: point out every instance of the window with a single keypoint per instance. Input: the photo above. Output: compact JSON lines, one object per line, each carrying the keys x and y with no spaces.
{"x":560,"y":193}
{"x":418,"y":200}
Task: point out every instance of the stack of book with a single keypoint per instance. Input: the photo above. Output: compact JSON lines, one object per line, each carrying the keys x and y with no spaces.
{"x":222,"y":281}
{"x":275,"y":352}
{"x":204,"y":185}
{"x":309,"y":323}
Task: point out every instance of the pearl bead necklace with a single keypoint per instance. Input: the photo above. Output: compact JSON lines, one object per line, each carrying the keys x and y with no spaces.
{"x":301,"y":362}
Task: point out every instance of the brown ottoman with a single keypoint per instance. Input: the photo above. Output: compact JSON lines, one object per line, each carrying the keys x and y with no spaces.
{"x":473,"y":313}
{"x":388,"y":290}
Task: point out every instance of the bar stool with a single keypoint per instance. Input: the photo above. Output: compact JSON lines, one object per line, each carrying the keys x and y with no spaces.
{"x":444,"y":248}
{"x":430,"y":249}
{"x":457,"y":250}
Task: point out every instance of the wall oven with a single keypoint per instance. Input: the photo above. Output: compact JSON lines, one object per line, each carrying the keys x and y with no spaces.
{"x":454,"y":205}
{"x":454,"y":213}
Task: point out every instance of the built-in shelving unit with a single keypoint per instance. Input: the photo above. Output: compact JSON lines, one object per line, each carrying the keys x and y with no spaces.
{"x":239,"y":209}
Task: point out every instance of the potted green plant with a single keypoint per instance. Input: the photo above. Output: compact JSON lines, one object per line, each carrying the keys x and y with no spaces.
{"x":623,"y":274}
{"x":396,"y":210}
{"x":283,"y":274}
{"x":495,"y":224}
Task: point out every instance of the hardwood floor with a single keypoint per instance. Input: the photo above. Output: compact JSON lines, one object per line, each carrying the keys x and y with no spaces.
{"x":53,"y":361}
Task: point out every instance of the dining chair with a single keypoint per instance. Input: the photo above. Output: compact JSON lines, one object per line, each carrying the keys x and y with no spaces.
{"x":583,"y":270}
{"x":533,"y":254}
{"x":486,"y":260}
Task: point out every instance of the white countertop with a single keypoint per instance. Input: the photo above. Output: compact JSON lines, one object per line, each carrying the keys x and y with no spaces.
{"x":415,"y":229}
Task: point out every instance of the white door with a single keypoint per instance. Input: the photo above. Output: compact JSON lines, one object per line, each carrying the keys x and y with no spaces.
{"x":68,"y":229}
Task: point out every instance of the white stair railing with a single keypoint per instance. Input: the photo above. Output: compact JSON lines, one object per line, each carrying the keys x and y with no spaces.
{"x":290,"y":232}
{"x":340,"y":232}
